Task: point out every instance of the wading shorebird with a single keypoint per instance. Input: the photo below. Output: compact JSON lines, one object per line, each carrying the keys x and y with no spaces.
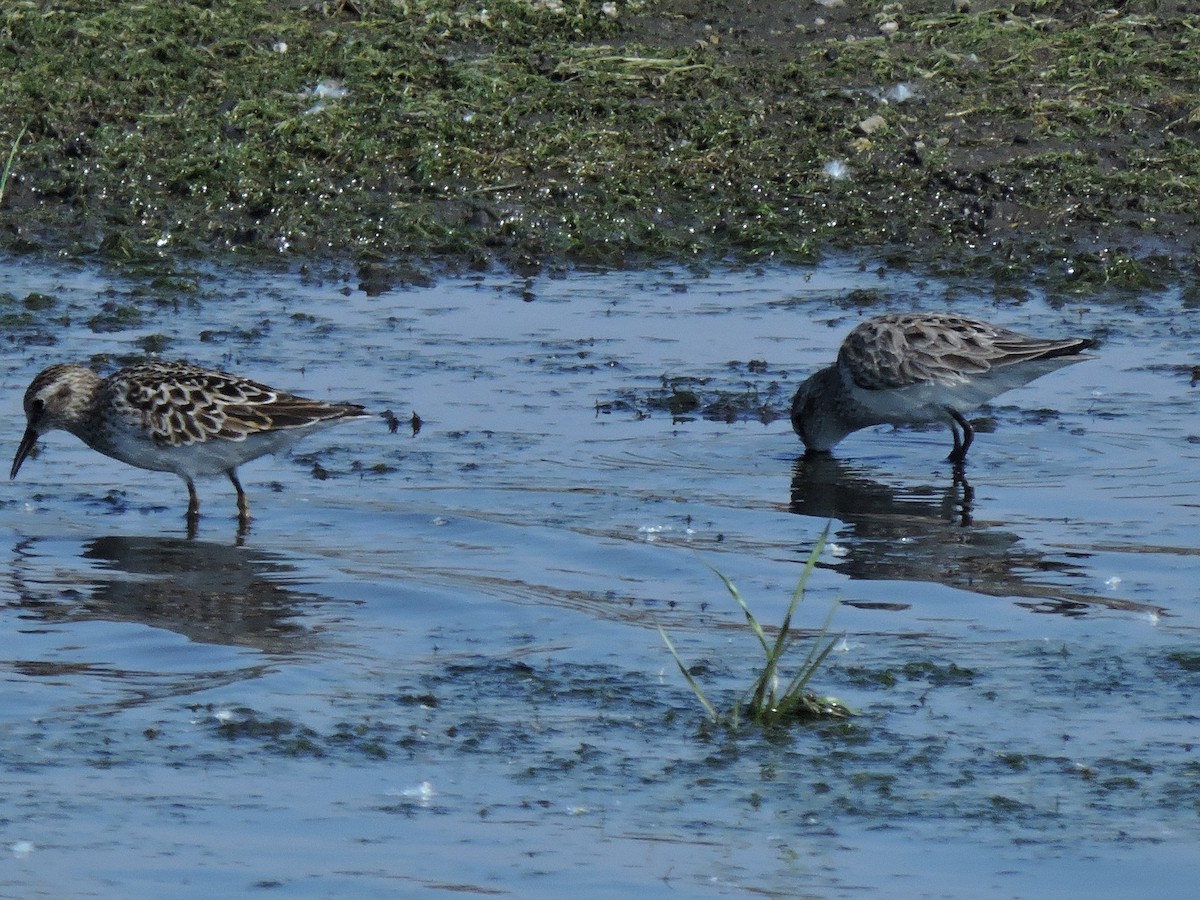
{"x":174,"y":417}
{"x":910,"y":368}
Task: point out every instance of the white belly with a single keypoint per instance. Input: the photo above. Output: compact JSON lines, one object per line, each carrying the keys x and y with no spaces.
{"x":212,"y":457}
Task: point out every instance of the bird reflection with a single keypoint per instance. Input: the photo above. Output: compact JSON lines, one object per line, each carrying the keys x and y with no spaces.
{"x":210,"y":593}
{"x":825,"y":487}
{"x":929,"y":533}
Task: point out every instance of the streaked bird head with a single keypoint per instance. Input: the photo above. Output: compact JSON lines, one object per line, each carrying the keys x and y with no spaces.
{"x":57,"y":398}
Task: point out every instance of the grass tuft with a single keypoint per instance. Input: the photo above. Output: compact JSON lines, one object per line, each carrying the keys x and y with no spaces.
{"x":764,"y":703}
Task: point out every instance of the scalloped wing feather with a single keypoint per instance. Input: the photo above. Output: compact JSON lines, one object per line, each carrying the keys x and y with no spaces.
{"x":903,"y":349}
{"x":181,"y":404}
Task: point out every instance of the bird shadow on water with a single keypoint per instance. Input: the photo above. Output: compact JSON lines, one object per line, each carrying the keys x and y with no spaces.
{"x":924,"y":533}
{"x":207,"y":592}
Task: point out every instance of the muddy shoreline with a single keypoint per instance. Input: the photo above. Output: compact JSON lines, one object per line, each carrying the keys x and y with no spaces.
{"x":1052,"y":141}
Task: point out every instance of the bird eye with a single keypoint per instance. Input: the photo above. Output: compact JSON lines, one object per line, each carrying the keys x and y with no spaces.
{"x":37,"y":406}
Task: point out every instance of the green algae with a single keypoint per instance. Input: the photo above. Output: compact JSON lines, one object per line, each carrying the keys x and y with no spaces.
{"x":1006,"y":136}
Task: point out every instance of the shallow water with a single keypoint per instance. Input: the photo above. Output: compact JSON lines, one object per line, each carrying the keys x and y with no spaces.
{"x":432,"y":664}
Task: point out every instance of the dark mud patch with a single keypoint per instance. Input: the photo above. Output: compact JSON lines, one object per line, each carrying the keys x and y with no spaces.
{"x":686,"y":397}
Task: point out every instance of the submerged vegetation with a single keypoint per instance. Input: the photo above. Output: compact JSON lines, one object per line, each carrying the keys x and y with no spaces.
{"x":765,"y":703}
{"x":1057,"y":137}
{"x":686,"y":397}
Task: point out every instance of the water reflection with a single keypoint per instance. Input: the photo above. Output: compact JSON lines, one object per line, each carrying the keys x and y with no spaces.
{"x":928,"y":533}
{"x":207,"y":592}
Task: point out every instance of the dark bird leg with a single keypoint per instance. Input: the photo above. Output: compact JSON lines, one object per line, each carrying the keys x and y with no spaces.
{"x":193,"y":510}
{"x":959,"y":454}
{"x":243,"y":503}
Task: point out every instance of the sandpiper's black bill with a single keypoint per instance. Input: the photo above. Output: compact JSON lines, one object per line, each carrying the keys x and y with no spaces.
{"x":23,"y":450}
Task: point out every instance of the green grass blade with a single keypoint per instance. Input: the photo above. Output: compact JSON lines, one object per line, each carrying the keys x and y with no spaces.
{"x":763,"y":699}
{"x":708,"y":707}
{"x":759,"y":697}
{"x":802,"y":677}
{"x":750,"y":620}
{"x":816,"y":656}
{"x":824,"y":630}
{"x":782,"y":638}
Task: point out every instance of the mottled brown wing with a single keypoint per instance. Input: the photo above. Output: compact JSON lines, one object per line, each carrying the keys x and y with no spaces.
{"x":184,"y":404}
{"x":902,"y":349}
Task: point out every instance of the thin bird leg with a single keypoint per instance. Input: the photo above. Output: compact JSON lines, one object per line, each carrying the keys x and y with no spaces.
{"x":243,"y":503}
{"x":957,"y":451}
{"x":959,"y":454}
{"x":193,"y":510}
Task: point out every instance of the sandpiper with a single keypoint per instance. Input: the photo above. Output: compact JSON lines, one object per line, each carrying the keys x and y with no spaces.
{"x":174,"y":417}
{"x":909,"y":368}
